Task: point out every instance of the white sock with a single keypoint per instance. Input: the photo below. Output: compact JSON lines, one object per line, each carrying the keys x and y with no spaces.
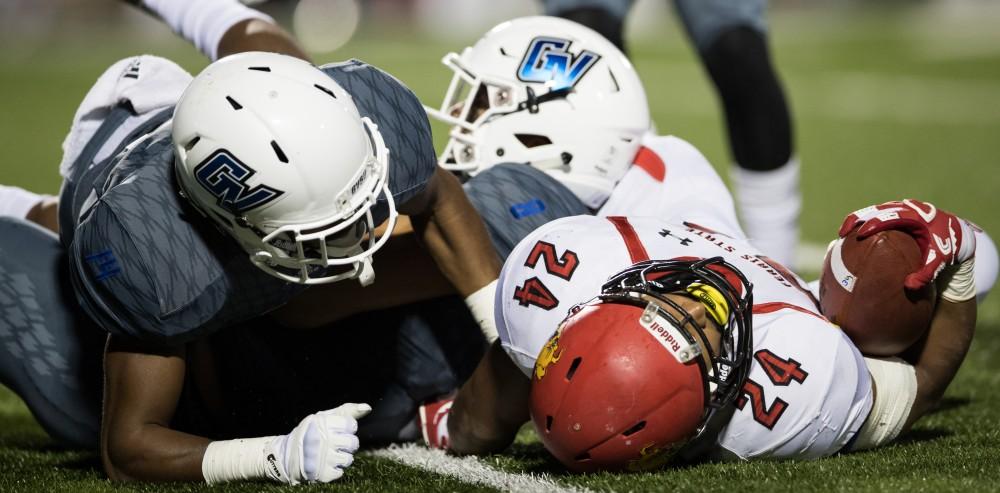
{"x":769,"y":203}
{"x":17,"y":202}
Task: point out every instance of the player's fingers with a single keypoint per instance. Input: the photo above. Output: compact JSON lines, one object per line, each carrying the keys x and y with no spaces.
{"x":913,"y":228}
{"x":873,"y":226}
{"x":849,"y":223}
{"x":354,"y":410}
{"x":331,"y":473}
{"x":344,"y":443}
{"x":339,"y":459}
{"x":918,"y":279}
{"x":336,"y":423}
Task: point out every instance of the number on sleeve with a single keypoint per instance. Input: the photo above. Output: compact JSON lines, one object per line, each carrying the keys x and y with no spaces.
{"x":782,"y":372}
{"x":535,"y":293}
{"x":563,"y":267}
{"x":767,"y":416}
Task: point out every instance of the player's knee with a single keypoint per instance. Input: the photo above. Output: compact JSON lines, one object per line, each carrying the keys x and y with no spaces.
{"x":605,"y":23}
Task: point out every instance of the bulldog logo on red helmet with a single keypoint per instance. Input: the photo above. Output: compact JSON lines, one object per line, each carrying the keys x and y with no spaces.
{"x":652,"y":457}
{"x":550,"y":354}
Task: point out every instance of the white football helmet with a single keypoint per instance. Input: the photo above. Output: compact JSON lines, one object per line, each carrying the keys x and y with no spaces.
{"x":550,"y":93}
{"x":275,"y":152}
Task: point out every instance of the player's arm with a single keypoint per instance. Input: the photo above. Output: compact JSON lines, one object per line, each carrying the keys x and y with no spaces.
{"x":907,"y":388}
{"x":937,"y":358}
{"x":487,"y":412}
{"x":453,"y":233}
{"x":142,"y":388}
{"x":223,"y":27}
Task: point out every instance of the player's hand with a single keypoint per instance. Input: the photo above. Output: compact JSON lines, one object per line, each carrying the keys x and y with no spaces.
{"x":434,"y":422}
{"x":319,"y":448}
{"x":944,"y":238}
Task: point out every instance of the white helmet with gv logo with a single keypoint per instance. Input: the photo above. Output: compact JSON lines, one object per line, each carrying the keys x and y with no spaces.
{"x":275,"y":153}
{"x":550,"y":93}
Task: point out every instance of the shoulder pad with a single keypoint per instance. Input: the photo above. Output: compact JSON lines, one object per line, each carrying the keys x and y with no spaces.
{"x":515,"y":199}
{"x":401,"y":120}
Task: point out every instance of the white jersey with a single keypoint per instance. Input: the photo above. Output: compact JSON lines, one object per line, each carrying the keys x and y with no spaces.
{"x":808,"y":391}
{"x":671,"y":180}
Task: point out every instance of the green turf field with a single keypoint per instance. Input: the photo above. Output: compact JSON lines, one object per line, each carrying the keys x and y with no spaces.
{"x":887,"y":104}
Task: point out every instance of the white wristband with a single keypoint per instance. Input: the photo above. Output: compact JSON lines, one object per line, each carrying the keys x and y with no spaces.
{"x":481,"y":304}
{"x":240,"y":459}
{"x":17,"y":202}
{"x":959,"y":281}
{"x":895,"y":390}
{"x":203,"y":22}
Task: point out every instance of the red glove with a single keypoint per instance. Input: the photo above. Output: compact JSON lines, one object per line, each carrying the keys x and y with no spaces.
{"x":944,"y":239}
{"x":434,"y":422}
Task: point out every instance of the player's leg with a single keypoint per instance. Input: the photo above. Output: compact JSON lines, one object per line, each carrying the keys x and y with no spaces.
{"x":50,"y":353}
{"x":731,"y":38}
{"x":607,"y":17}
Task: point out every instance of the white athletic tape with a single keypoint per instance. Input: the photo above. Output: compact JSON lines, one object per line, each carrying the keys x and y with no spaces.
{"x":471,"y":470}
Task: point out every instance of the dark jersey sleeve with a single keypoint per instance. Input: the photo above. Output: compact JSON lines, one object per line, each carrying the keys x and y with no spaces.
{"x":515,"y":199}
{"x":145,"y":265}
{"x":402,"y":122}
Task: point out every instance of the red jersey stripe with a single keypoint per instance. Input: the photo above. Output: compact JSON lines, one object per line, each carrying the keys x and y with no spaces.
{"x":635,"y":248}
{"x":781,"y":305}
{"x":651,"y":163}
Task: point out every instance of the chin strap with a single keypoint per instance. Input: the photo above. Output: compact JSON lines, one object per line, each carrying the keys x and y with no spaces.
{"x":366,"y":275}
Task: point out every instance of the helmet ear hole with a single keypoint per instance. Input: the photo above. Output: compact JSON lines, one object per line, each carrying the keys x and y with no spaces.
{"x":532,"y":140}
{"x":191,"y":143}
{"x":584,"y":457}
{"x":572,"y":367}
{"x":548,"y":423}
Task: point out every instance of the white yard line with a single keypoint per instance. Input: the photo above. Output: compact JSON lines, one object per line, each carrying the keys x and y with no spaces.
{"x":471,"y":470}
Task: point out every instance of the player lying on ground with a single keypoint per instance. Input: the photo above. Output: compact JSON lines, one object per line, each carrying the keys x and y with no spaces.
{"x":503,"y":110}
{"x":630,"y":341}
{"x":296,"y":166}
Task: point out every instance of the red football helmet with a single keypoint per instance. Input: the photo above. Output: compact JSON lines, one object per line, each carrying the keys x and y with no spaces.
{"x":623,"y":384}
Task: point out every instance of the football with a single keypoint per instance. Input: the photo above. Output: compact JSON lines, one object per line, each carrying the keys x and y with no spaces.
{"x":861,"y":290}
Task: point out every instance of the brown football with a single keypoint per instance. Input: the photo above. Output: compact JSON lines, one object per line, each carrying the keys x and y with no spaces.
{"x":861,"y":290}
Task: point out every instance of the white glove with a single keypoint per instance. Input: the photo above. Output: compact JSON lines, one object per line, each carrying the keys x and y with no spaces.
{"x":318,"y":449}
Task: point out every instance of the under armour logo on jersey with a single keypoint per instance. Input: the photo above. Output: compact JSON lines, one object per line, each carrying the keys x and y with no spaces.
{"x":226,"y":177}
{"x":548,"y":59}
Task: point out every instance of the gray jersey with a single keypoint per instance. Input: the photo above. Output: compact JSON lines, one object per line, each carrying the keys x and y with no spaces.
{"x":145,"y":265}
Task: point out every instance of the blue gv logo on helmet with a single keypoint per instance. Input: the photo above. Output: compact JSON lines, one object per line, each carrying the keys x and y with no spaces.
{"x":226,"y":177}
{"x":548,"y":59}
